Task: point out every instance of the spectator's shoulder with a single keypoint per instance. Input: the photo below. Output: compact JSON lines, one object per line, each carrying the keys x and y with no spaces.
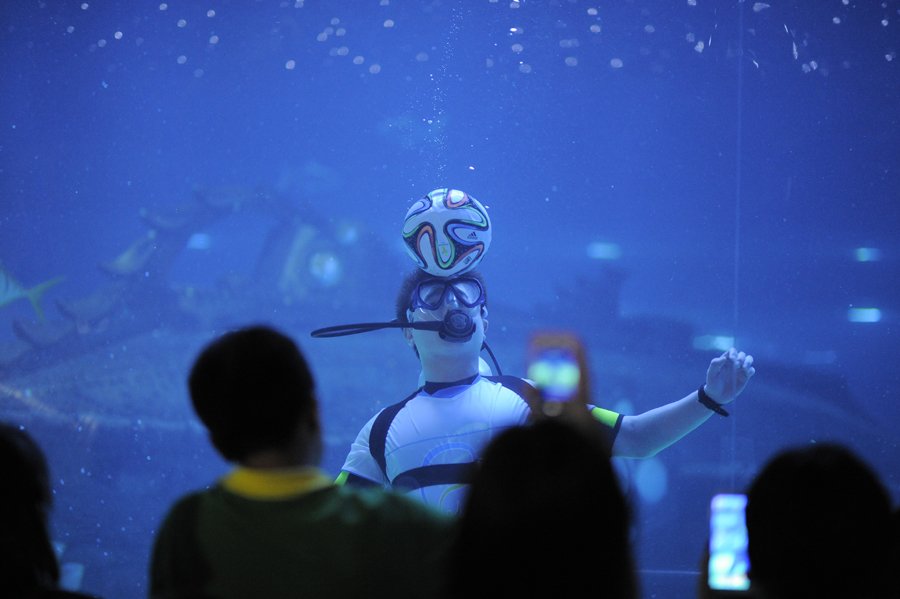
{"x":179,"y":527}
{"x":176,"y":562}
{"x":184,"y":509}
{"x":392,"y":506}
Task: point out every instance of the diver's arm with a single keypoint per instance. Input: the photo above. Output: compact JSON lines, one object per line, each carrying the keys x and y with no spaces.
{"x":646,"y":434}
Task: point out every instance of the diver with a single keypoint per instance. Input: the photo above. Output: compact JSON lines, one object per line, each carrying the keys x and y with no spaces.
{"x":427,"y":444}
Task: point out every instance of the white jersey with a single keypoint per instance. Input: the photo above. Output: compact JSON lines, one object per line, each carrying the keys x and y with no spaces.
{"x":451,"y":425}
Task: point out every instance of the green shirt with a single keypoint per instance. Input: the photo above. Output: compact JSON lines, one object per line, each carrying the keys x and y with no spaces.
{"x":295,"y":534}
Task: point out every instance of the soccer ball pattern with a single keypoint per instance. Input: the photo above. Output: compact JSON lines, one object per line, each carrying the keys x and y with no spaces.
{"x":447,"y":232}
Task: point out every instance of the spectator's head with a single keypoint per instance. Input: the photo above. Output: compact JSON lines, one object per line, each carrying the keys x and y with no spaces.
{"x":27,"y":560}
{"x":254,"y":392}
{"x":545,"y":517}
{"x":817,"y":522}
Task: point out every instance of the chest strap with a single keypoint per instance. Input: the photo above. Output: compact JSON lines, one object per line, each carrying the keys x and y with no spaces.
{"x":379,"y":431}
{"x":435,"y":474}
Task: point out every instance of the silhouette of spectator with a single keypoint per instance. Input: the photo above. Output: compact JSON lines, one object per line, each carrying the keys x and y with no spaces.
{"x":28,"y":566}
{"x":818,"y":526}
{"x":276,"y":526}
{"x":545,"y":517}
{"x":894,"y":566}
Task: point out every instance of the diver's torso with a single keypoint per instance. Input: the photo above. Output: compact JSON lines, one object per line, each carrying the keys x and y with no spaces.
{"x":452,"y":426}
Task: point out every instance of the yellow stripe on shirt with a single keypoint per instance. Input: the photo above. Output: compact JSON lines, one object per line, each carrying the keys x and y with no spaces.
{"x":254,"y":483}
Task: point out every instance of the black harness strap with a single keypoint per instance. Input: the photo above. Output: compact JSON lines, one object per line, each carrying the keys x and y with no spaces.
{"x":378,"y":434}
{"x":437,"y":474}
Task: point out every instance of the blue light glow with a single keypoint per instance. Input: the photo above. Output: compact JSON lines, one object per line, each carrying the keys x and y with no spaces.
{"x":199,"y":241}
{"x":868,"y":254}
{"x":863,"y":314}
{"x":714,"y":342}
{"x":604,"y":251}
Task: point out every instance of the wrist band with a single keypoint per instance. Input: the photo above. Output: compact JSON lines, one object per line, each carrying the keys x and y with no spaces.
{"x":707,"y":401}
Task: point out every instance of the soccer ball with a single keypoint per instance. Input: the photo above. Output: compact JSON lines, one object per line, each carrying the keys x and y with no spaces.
{"x":447,"y":232}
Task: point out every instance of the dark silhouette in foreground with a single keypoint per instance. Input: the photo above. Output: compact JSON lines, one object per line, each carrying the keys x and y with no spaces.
{"x":545,"y":517}
{"x":28,"y":566}
{"x":818,"y":526}
{"x":276,"y":526}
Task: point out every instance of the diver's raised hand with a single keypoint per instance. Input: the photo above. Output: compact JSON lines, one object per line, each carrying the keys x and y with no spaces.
{"x":728,"y":375}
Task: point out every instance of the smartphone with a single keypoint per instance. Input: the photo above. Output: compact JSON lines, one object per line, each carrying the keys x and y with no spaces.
{"x":554,"y":363}
{"x":728,"y":560}
{"x":556,"y":372}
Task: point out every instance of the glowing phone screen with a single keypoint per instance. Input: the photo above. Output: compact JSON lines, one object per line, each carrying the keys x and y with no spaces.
{"x":728,"y":561}
{"x":556,"y":373}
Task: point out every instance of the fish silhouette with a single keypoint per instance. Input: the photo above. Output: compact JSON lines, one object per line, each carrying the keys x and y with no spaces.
{"x":11,"y":290}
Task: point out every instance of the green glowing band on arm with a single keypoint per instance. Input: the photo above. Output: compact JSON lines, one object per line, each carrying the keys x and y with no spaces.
{"x":607,"y":417}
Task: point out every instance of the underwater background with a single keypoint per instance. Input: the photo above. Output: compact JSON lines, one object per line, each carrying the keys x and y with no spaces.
{"x":667,"y":178}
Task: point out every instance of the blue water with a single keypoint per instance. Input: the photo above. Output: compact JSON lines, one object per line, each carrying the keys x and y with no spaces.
{"x":733,"y":172}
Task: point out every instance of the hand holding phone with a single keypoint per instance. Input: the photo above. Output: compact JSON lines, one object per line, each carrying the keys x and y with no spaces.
{"x":556,"y":364}
{"x":556,"y":372}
